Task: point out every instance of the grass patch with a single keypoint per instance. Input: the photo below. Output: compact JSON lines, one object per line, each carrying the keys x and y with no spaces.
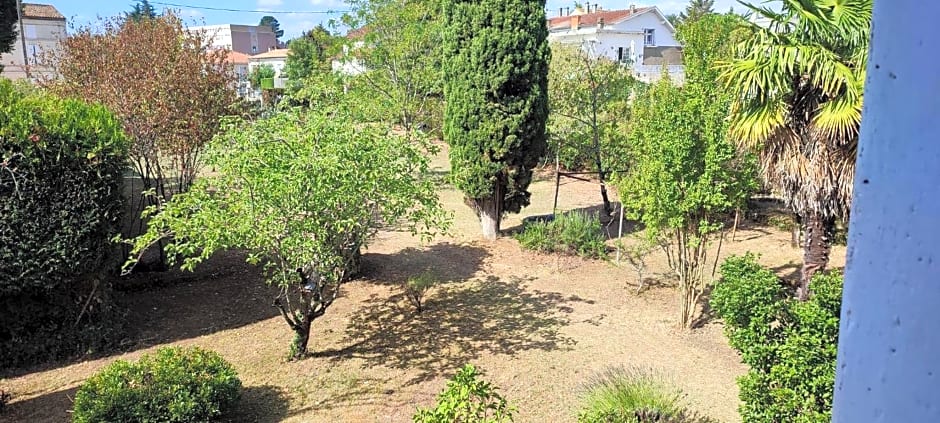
{"x":625,"y":392}
{"x":573,"y":233}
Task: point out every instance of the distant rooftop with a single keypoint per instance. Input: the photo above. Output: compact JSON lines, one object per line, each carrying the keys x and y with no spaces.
{"x":278,"y":53}
{"x":591,"y":19}
{"x":41,"y":11}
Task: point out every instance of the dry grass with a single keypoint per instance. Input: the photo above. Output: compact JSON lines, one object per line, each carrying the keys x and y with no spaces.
{"x":538,"y":325}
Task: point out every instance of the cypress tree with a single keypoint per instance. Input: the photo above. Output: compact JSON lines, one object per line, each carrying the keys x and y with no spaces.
{"x":8,"y":20}
{"x":496,"y":58}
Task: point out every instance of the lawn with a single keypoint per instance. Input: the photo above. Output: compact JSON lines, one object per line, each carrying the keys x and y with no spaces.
{"x":537,"y":325}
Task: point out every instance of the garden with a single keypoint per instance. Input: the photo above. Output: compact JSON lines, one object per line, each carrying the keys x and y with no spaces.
{"x":356,"y":248}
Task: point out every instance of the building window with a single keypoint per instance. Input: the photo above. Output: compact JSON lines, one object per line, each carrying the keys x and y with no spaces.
{"x":624,"y":55}
{"x":649,"y":37}
{"x":254,"y":49}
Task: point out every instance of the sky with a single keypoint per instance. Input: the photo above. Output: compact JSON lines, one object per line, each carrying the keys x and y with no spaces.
{"x":293,"y":15}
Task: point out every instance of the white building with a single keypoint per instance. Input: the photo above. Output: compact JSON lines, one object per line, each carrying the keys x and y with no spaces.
{"x":639,"y":37}
{"x":43,"y":28}
{"x":348,"y":62}
{"x":248,"y":39}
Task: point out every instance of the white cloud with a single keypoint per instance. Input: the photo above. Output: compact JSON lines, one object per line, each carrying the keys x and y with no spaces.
{"x":190,"y":13}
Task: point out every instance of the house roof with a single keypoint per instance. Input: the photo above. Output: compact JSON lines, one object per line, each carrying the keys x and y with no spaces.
{"x":358,"y":33}
{"x":668,"y":55}
{"x":610,"y":17}
{"x":236,"y":57}
{"x":41,"y":11}
{"x":278,"y":53}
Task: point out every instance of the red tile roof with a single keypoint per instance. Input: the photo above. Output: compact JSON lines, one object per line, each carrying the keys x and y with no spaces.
{"x":237,"y":58}
{"x":277,"y":53}
{"x":41,"y":11}
{"x":590,"y":19}
{"x":358,"y":33}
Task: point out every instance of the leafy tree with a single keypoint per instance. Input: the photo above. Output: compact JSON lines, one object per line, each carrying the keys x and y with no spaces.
{"x":685,"y":171}
{"x":401,"y":49}
{"x":589,"y":101}
{"x":8,"y":19}
{"x":166,"y":84}
{"x":302,"y":194}
{"x":310,"y":54}
{"x":142,"y":10}
{"x":496,"y":58}
{"x":274,"y":24}
{"x":797,"y":87}
{"x":696,"y":10}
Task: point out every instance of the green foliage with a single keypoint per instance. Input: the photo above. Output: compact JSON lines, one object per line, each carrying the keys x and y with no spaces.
{"x":590,"y":106}
{"x":647,"y":415}
{"x":8,"y":18}
{"x":260,"y":73}
{"x":61,"y":170}
{"x":685,"y":171}
{"x":496,"y":59}
{"x":302,"y":193}
{"x":625,"y":391}
{"x":172,"y":385}
{"x":790,"y":345}
{"x":574,"y":233}
{"x":467,"y":399}
{"x":417,"y":286}
{"x":401,"y":48}
{"x":309,"y":55}
{"x":142,"y":10}
{"x":274,"y":24}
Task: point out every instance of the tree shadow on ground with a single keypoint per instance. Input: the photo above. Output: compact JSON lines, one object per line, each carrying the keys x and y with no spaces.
{"x":50,"y":407}
{"x":222,"y":293}
{"x":458,"y":325}
{"x":445,"y":261}
{"x":259,"y":404}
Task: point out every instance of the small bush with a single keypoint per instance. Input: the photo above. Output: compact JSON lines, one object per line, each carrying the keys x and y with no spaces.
{"x":172,"y":385}
{"x":416,"y":287}
{"x":789,"y":345}
{"x":647,"y":415}
{"x":618,"y":394}
{"x":467,"y":399}
{"x":574,"y":233}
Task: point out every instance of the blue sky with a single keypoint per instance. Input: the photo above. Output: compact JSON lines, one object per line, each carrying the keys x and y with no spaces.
{"x":82,"y":12}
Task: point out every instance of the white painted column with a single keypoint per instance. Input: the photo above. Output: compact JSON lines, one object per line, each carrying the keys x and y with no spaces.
{"x":889,"y":348}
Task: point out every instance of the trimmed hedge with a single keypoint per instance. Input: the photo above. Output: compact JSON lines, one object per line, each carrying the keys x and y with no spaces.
{"x":789,"y":345}
{"x":61,"y":168}
{"x":172,"y":385}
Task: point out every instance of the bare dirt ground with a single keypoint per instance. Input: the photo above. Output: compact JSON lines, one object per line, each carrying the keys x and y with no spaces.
{"x":539,"y":326}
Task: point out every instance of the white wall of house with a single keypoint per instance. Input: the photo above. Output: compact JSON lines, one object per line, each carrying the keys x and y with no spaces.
{"x":624,"y":42}
{"x":42,"y":35}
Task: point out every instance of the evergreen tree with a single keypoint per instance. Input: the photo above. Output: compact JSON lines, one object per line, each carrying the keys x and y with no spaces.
{"x":274,"y":24}
{"x":142,"y":10}
{"x":696,"y":10}
{"x":8,"y":20}
{"x":496,"y":58}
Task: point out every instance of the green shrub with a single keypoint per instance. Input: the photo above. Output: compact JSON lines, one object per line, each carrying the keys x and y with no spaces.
{"x":417,"y":287}
{"x":789,"y":345}
{"x":61,"y":169}
{"x":573,"y":233}
{"x":172,"y":385}
{"x":617,"y":394}
{"x":647,"y":415}
{"x":467,"y":399}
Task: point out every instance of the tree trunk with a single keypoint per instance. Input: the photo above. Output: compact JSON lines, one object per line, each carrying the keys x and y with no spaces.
{"x":301,"y":338}
{"x":818,"y":232}
{"x":489,"y":217}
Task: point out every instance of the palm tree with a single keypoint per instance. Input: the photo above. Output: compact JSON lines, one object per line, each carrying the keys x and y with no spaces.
{"x":797,"y":83}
